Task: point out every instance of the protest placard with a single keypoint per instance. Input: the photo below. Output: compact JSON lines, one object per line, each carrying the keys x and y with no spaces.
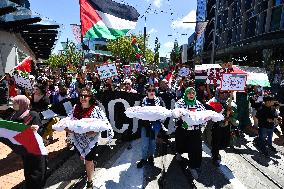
{"x":233,"y":82}
{"x":23,"y":82}
{"x":184,"y":71}
{"x":107,"y":71}
{"x":127,"y":70}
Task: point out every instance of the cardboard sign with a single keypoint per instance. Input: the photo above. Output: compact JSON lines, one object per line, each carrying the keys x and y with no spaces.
{"x":233,"y":82}
{"x":184,"y":71}
{"x":107,"y":71}
{"x":127,"y":70}
{"x":214,"y":75}
{"x":23,"y":82}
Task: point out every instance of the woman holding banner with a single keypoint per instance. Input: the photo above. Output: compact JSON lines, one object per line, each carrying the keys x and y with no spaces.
{"x":188,"y":138}
{"x":86,"y":143}
{"x":150,"y":129}
{"x":34,"y":164}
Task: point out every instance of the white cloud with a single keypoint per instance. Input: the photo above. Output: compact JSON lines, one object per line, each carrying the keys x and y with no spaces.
{"x":169,"y":44}
{"x":158,"y":3}
{"x":153,"y":30}
{"x":190,"y":17}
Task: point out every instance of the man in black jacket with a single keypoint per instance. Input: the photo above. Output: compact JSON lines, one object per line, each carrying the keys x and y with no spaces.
{"x":266,"y":116}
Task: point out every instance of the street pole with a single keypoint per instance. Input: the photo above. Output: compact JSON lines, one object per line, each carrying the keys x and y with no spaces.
{"x":145,"y":33}
{"x":213,"y":53}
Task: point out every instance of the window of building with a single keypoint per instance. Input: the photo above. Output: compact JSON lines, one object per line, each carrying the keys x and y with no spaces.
{"x":277,"y":2}
{"x":275,"y":18}
{"x":248,"y":4}
{"x":229,"y":37}
{"x":262,"y":22}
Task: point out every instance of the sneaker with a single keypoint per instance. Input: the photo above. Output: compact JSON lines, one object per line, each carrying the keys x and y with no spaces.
{"x":151,"y":161}
{"x":178,"y":157}
{"x":194,"y":173}
{"x":272,"y":148}
{"x":141,"y":163}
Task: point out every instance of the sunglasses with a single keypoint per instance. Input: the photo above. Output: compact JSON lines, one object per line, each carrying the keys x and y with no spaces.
{"x":151,"y":90}
{"x":85,"y":96}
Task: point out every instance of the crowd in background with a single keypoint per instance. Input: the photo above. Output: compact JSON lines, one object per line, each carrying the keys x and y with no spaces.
{"x":256,"y":110}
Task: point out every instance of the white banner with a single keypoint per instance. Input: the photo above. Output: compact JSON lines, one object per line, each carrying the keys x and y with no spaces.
{"x":23,"y":82}
{"x":107,"y":71}
{"x":233,"y":82}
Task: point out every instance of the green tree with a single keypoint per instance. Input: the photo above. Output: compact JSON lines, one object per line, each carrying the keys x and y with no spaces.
{"x":156,"y":51}
{"x":175,"y":54}
{"x":70,"y":55}
{"x":123,"y":49}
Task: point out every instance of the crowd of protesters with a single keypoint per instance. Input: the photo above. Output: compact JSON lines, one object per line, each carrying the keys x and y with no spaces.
{"x":253,"y":111}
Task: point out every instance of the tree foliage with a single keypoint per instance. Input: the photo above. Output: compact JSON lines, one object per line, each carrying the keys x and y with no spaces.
{"x":70,"y":55}
{"x":123,"y":49}
{"x":176,"y":54}
{"x":156,"y":51}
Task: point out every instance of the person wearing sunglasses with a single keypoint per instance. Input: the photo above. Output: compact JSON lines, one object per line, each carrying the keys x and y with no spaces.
{"x":188,"y":138}
{"x":87,"y":142}
{"x":150,"y":129}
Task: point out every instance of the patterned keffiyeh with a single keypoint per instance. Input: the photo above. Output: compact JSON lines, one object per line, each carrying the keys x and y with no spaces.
{"x":97,"y":122}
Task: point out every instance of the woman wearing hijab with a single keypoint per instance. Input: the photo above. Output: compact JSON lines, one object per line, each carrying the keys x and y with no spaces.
{"x":188,"y":138}
{"x":34,"y":165}
{"x":87,"y":142}
{"x":221,"y":130}
{"x":150,"y":130}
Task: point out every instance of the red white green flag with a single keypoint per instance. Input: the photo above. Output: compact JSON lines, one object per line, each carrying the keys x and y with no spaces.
{"x":22,"y":135}
{"x":106,"y":18}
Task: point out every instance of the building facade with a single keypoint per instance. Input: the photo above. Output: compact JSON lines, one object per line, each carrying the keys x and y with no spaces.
{"x":251,"y":32}
{"x":23,"y":33}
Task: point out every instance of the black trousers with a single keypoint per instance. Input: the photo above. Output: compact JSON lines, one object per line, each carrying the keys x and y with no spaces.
{"x":220,"y":140}
{"x":190,"y":141}
{"x":34,"y":171}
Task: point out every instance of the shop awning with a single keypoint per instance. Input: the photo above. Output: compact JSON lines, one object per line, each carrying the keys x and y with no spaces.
{"x":38,"y":32}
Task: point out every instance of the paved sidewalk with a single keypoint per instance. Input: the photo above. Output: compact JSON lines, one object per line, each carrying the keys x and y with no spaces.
{"x":11,"y":166}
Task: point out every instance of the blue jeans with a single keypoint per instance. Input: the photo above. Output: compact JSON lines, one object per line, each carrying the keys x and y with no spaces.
{"x":148,"y":144}
{"x":263,"y":134}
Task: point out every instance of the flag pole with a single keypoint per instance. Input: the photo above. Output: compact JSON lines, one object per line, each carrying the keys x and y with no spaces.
{"x":82,"y":40}
{"x":145,"y":33}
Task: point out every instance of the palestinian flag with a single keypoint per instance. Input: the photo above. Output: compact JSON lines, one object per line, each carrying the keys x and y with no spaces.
{"x":20,"y":135}
{"x":106,"y":19}
{"x":25,"y":65}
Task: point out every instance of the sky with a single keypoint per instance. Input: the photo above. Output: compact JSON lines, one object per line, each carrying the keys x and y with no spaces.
{"x":164,"y":18}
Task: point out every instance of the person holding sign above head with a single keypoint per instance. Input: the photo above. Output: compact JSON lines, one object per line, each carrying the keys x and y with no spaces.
{"x":86,"y":143}
{"x":150,"y":129}
{"x":188,"y":138}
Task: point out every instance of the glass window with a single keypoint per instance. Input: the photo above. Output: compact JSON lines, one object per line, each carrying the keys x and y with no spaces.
{"x":275,"y":18}
{"x":277,"y":2}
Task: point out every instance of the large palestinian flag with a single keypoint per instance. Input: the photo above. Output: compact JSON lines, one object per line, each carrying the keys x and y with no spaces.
{"x":106,"y":18}
{"x":21,"y":136}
